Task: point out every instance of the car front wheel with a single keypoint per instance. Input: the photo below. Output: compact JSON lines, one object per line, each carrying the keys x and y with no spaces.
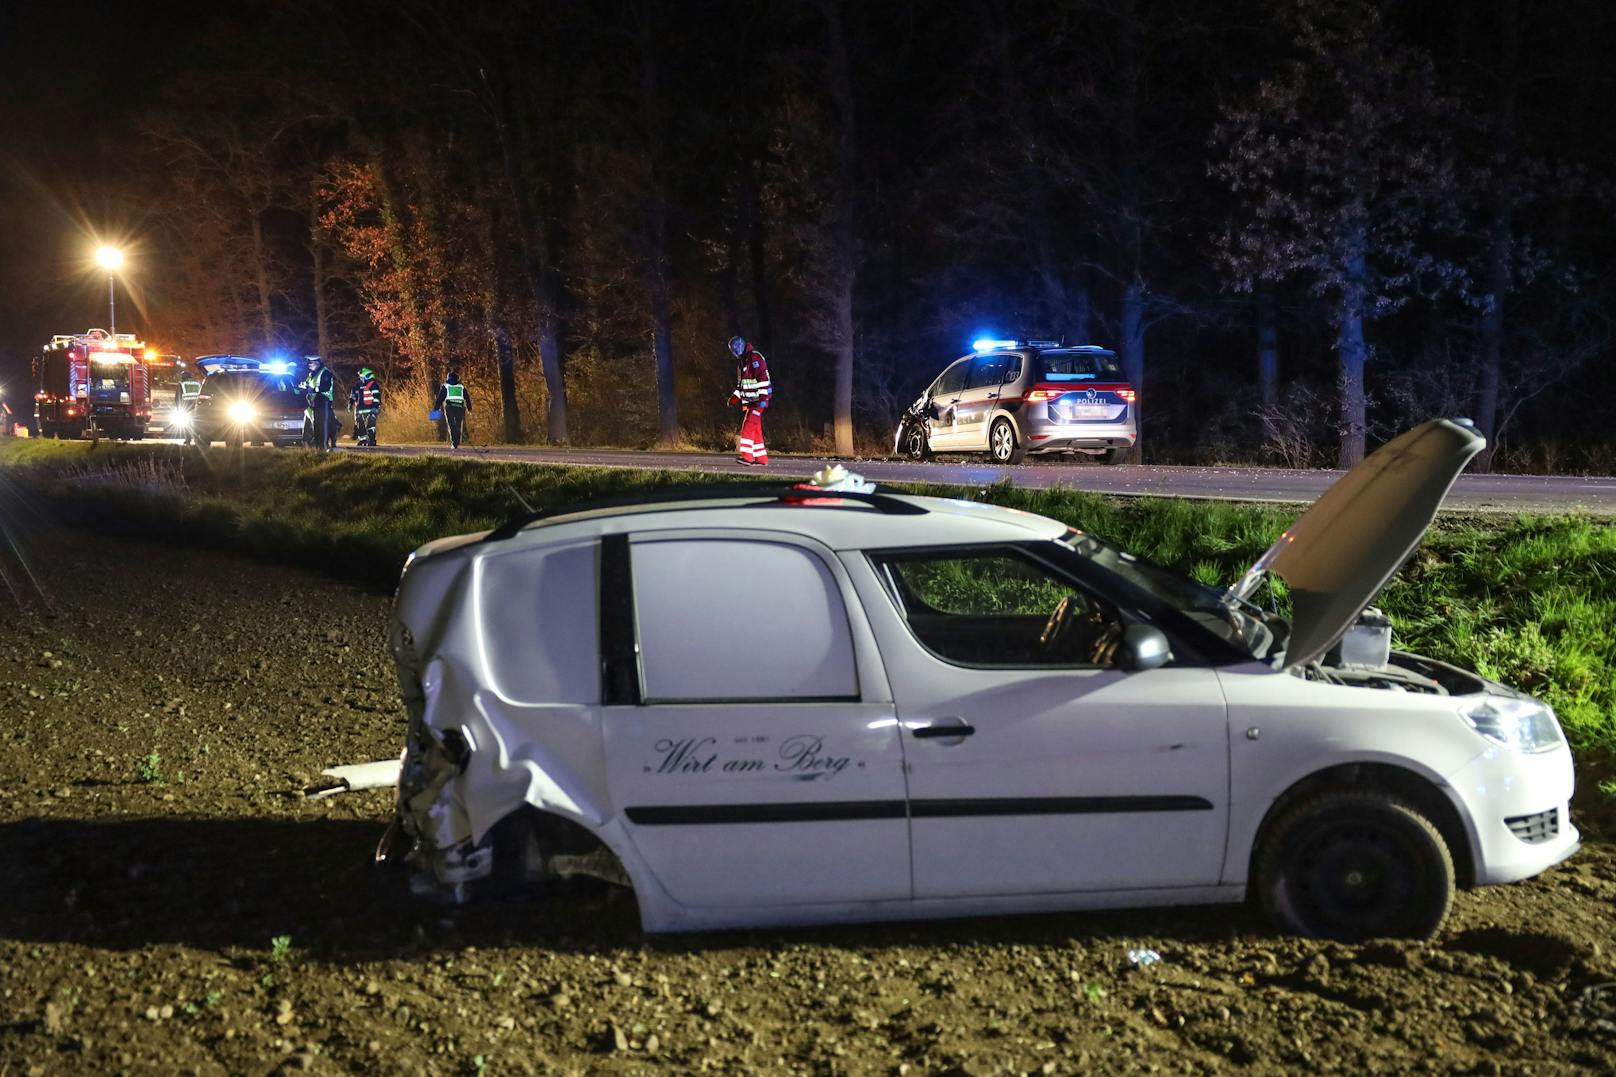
{"x":1002,"y":444}
{"x":916,"y":446}
{"x":1355,"y":865}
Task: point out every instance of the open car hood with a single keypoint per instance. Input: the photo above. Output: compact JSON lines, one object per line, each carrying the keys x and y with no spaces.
{"x":1338,"y":555}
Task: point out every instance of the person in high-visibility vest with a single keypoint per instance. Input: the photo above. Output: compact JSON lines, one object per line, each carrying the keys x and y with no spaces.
{"x":186,"y":395}
{"x":365,"y":398}
{"x":319,"y":388}
{"x":753,"y":393}
{"x":455,"y":402}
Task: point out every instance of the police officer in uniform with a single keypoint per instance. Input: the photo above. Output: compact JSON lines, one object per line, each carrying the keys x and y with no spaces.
{"x":455,"y":403}
{"x":319,"y":389}
{"x":365,"y":398}
{"x":186,"y":395}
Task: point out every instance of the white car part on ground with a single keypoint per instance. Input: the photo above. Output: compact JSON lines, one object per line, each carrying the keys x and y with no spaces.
{"x":382,"y":774}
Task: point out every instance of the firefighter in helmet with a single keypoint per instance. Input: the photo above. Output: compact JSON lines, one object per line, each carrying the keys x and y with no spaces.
{"x":365,"y":400}
{"x":319,"y":389}
{"x":455,"y":403}
{"x":752,"y":393}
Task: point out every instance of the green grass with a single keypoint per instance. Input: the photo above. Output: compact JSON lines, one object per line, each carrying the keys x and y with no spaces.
{"x":1529,"y":600}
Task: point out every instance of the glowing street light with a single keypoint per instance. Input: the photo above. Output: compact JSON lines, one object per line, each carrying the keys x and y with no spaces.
{"x":111,"y":260}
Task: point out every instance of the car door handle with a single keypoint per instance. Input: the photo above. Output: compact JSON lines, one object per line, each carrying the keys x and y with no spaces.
{"x":993,"y":396}
{"x":941,"y":730}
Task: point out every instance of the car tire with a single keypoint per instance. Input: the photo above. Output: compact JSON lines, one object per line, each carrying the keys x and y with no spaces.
{"x":1003,"y":447}
{"x":1355,"y":865}
{"x":916,"y":446}
{"x":1111,"y":456}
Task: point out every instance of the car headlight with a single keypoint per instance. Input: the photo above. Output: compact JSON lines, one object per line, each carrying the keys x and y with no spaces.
{"x":180,"y":418}
{"x":242,"y":412}
{"x":1522,"y":724}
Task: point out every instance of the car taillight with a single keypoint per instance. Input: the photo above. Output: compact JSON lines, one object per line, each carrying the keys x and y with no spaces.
{"x":1125,"y":395}
{"x":1040,"y":393}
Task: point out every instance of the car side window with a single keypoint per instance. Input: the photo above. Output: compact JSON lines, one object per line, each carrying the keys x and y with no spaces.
{"x":998,"y":607}
{"x":1012,"y":369}
{"x":705,"y":633}
{"x":953,"y":379}
{"x":987,"y":371}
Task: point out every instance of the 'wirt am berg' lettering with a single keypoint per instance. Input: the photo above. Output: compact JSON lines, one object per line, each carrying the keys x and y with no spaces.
{"x":801,"y":755}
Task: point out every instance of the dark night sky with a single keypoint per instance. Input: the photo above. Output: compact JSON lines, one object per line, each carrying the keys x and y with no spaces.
{"x":75,"y":77}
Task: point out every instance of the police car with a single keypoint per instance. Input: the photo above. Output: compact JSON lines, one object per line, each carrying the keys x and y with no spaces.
{"x":1008,"y":398}
{"x":826,"y":703}
{"x":244,"y":400}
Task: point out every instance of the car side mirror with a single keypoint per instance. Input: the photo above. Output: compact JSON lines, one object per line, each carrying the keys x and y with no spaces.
{"x":1143,"y":647}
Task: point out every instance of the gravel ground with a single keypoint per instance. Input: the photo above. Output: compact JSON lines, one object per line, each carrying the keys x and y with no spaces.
{"x":155,"y":846}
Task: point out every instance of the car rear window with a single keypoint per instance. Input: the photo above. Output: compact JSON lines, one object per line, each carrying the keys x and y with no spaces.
{"x":1079,"y":366}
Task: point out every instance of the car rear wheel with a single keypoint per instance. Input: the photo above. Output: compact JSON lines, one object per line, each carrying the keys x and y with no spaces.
{"x":1355,"y":865}
{"x":916,"y":446}
{"x":1002,"y":445}
{"x":1111,"y":456}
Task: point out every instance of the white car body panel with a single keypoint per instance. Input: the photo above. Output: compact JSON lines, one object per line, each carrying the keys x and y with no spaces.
{"x":1123,"y":741}
{"x":817,"y":803}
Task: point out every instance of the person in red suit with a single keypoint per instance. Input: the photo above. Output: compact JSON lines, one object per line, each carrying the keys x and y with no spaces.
{"x":752,"y":393}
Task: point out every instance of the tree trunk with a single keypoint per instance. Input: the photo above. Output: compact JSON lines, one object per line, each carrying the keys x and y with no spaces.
{"x":844,"y":239}
{"x":322,"y":328}
{"x":757,"y":252}
{"x":662,"y":346}
{"x":657,"y":228}
{"x":506,"y":357}
{"x":398,"y":255}
{"x":1133,"y":358}
{"x":266,"y":316}
{"x":1499,"y":241}
{"x":1353,"y":351}
{"x":534,"y":237}
{"x":1267,"y":348}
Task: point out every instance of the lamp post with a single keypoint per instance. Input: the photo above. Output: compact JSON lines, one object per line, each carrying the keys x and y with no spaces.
{"x":111,"y":259}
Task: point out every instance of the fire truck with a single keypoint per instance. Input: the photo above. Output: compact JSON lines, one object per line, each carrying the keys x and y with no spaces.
{"x":92,"y":384}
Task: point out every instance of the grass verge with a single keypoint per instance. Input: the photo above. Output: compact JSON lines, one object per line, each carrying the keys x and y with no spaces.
{"x":1528,"y":600}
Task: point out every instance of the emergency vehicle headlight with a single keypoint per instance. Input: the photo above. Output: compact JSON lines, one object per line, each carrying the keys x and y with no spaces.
{"x":242,"y":411}
{"x":180,"y":418}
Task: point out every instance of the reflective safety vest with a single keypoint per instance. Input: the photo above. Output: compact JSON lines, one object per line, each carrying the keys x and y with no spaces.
{"x":190,"y":390}
{"x":454,"y":394}
{"x":369,"y":395}
{"x":320,"y":382}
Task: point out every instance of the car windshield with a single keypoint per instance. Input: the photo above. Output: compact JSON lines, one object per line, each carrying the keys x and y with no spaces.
{"x":1079,"y":366}
{"x":1247,"y":628}
{"x":237,"y":383}
{"x":109,"y":375}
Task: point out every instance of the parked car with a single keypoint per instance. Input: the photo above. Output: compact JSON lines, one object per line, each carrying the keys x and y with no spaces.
{"x":805,"y":704}
{"x":244,"y":401}
{"x":1009,"y":398}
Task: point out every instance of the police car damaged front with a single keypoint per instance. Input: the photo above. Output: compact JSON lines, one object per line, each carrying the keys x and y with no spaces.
{"x":484,"y":805}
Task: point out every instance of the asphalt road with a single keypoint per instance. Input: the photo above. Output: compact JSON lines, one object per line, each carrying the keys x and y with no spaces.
{"x":1472,"y":493}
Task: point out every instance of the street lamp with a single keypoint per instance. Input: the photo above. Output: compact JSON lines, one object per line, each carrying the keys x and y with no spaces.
{"x":111,"y":260}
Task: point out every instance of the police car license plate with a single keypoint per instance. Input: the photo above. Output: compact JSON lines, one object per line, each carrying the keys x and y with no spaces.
{"x":1091,"y":411}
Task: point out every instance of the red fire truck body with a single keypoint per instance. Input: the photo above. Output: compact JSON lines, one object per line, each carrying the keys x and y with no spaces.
{"x":93,"y":384}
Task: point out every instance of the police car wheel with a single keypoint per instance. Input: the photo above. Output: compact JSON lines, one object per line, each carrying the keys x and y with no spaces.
{"x":1355,"y":865}
{"x":916,"y":446}
{"x":1002,"y":444}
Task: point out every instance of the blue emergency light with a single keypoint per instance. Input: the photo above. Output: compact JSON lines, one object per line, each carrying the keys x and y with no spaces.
{"x":987,"y":344}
